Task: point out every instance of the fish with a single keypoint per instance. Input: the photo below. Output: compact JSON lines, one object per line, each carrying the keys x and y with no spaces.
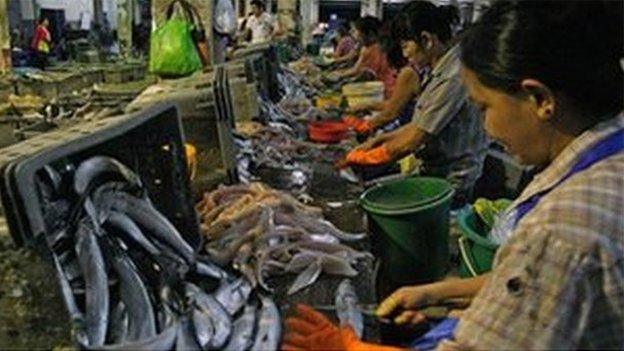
{"x":269,"y":329}
{"x":204,"y":329}
{"x":335,"y":249}
{"x":134,"y":294}
{"x":91,"y":262}
{"x":219,"y":316}
{"x":76,"y":316}
{"x":243,"y":330}
{"x":70,"y":266}
{"x":336,"y":265}
{"x":157,"y":225}
{"x":223,"y":257}
{"x":161,"y":342}
{"x":95,"y":167}
{"x":346,"y":307}
{"x":185,"y":336}
{"x":301,"y":261}
{"x":233,"y":295}
{"x":206,"y":268}
{"x":129,"y":228}
{"x":118,"y":327}
{"x":323,"y":226}
{"x":166,"y":315}
{"x":307,"y":277}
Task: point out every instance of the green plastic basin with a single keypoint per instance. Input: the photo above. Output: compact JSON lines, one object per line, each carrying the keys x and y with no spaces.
{"x":476,"y":250}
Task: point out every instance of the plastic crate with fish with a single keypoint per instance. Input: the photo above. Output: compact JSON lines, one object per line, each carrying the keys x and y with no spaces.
{"x":108,"y":203}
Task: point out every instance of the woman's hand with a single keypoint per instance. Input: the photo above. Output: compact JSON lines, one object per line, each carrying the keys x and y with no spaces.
{"x":405,"y":302}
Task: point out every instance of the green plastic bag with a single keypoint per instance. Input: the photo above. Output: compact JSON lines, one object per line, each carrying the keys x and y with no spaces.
{"x":173,"y":51}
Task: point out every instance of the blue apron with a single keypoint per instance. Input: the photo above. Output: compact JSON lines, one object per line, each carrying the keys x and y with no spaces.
{"x":607,"y":147}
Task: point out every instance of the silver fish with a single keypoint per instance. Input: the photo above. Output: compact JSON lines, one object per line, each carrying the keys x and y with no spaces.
{"x":161,"y":342}
{"x":220,"y":318}
{"x":336,"y":265}
{"x":335,"y":249}
{"x":243,"y":330}
{"x":97,"y":166}
{"x":76,"y":316}
{"x":233,"y":295}
{"x":133,"y":292}
{"x":207,"y":269}
{"x":269,"y":330}
{"x":204,"y":329}
{"x":118,"y":327}
{"x":307,"y":277}
{"x":346,"y":307}
{"x":185,"y":336}
{"x":129,"y":228}
{"x":91,"y":262}
{"x":153,"y":221}
{"x":300,"y":261}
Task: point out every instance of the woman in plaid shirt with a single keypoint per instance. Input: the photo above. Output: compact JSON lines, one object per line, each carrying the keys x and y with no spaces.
{"x":547,"y":76}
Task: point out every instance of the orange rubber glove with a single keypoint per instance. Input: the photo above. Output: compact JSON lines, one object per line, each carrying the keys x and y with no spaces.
{"x":361,"y":126}
{"x":350,"y":120}
{"x":352,"y":343}
{"x":311,"y":330}
{"x":376,"y":156}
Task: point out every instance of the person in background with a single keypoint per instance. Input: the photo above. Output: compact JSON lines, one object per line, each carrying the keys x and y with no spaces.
{"x":446,"y":132}
{"x":41,"y":43}
{"x":372,"y":59}
{"x":399,"y":108}
{"x":558,"y":280}
{"x":262,"y":25}
{"x":345,"y":45}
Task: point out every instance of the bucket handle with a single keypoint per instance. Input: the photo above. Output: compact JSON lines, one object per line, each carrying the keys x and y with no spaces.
{"x":464,"y":253}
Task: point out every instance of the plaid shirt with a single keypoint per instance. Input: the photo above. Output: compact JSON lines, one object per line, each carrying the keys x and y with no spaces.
{"x":459,"y":143}
{"x":558,"y":283}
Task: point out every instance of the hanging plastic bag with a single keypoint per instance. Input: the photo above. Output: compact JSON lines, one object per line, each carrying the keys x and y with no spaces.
{"x":172,"y":48}
{"x":225,"y":17}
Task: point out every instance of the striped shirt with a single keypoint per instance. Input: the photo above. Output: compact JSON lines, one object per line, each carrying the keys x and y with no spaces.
{"x":559,"y":280}
{"x":458,"y":145}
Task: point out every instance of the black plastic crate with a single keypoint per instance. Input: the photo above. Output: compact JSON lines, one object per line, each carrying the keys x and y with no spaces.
{"x":150,"y":142}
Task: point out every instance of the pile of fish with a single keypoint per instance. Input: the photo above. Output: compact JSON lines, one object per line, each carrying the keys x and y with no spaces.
{"x":263,"y":232}
{"x":131,"y":281}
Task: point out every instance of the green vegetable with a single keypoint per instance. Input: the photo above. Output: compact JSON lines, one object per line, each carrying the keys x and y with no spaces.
{"x":489,"y":210}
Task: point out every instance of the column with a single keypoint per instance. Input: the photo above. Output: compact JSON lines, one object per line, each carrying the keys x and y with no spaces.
{"x":309,"y":14}
{"x":5,"y":38}
{"x":125,"y":17}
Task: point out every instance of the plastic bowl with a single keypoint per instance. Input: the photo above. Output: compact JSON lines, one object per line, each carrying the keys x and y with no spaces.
{"x":327,"y":131}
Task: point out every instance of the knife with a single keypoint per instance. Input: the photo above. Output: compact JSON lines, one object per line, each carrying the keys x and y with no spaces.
{"x":437,"y":311}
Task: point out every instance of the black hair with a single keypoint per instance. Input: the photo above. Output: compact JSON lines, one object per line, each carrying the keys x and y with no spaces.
{"x":259,"y":4}
{"x":573,"y":47}
{"x":420,"y":16}
{"x":390,"y":46}
{"x":342,"y":28}
{"x":369,"y":27}
{"x":42,"y":18}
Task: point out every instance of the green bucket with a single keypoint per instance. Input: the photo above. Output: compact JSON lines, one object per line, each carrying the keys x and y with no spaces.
{"x":476,"y":250}
{"x":409,"y":223}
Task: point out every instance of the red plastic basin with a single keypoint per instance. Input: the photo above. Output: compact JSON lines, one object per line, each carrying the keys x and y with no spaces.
{"x":327,"y":131}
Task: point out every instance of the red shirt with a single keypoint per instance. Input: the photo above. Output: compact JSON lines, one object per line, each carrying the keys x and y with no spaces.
{"x":376,"y":62}
{"x":41,"y":34}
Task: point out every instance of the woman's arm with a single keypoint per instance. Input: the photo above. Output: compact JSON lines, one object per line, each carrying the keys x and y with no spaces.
{"x":358,"y":68}
{"x":407,"y":85}
{"x":348,"y":57}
